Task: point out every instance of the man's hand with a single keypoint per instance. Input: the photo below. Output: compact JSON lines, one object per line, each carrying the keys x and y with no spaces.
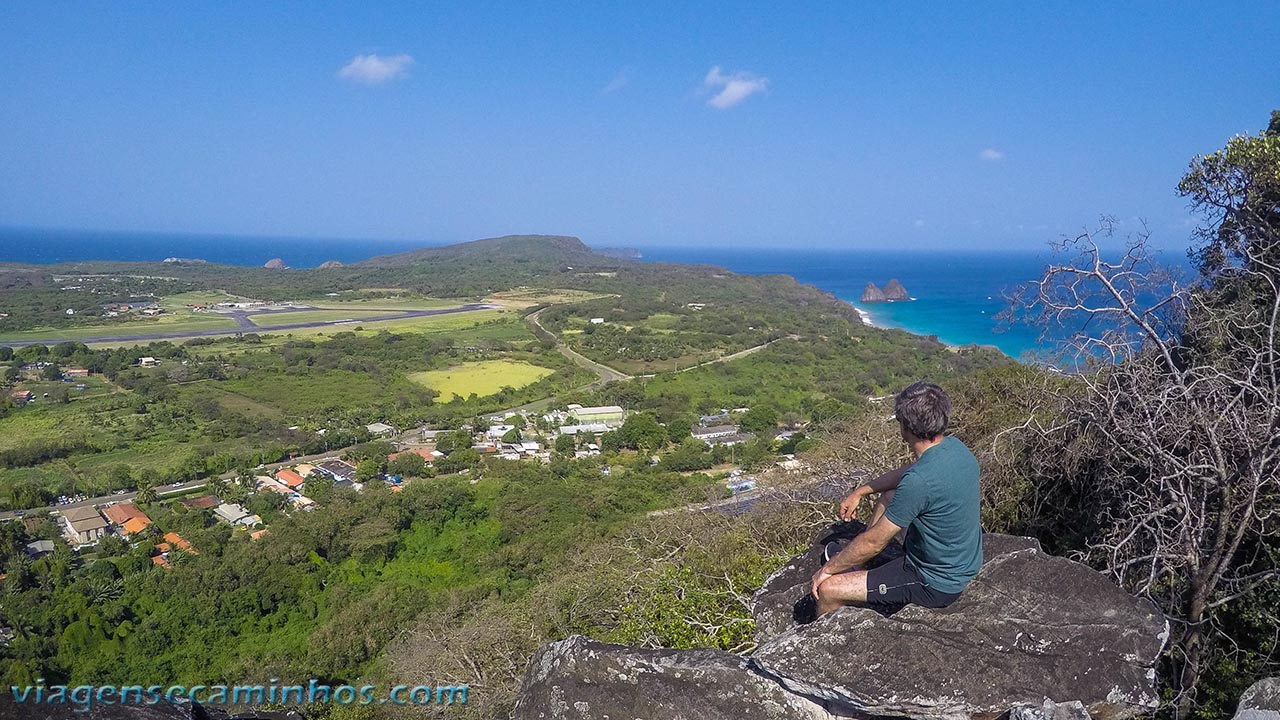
{"x":818,"y":579}
{"x":849,"y":506}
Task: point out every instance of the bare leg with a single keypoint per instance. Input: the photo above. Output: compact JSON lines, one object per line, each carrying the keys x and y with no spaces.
{"x":844,"y":589}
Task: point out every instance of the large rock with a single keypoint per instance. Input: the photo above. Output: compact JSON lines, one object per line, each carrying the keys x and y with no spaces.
{"x":894,"y":292}
{"x":871,"y":293}
{"x":1261,"y":701}
{"x":1030,"y":627}
{"x":581,"y":679}
{"x":1034,"y":637}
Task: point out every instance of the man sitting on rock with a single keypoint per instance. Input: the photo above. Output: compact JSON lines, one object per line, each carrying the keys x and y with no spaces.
{"x":931,"y":505}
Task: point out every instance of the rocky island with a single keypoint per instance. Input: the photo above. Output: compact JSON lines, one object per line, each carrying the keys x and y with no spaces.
{"x":275,"y":264}
{"x":892,"y":292}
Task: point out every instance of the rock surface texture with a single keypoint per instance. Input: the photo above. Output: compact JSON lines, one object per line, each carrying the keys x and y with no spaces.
{"x":895,"y":292}
{"x":1261,"y":701}
{"x":581,"y":679}
{"x":275,"y":264}
{"x":871,"y":293}
{"x":1034,"y":637}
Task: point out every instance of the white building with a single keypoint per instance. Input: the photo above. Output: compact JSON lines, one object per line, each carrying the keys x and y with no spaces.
{"x":716,"y":431}
{"x":495,"y":432}
{"x":596,"y":428}
{"x":379,"y":429}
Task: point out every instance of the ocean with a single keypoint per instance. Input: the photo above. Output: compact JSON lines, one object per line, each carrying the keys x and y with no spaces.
{"x":957,"y":294}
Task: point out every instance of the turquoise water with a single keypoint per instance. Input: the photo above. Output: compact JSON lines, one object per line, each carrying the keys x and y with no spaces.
{"x":957,"y":294}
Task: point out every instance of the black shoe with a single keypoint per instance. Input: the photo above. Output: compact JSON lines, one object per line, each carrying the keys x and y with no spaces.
{"x":805,"y":610}
{"x":831,"y":549}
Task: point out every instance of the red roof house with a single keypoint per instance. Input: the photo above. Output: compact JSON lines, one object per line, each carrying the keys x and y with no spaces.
{"x":290,"y":478}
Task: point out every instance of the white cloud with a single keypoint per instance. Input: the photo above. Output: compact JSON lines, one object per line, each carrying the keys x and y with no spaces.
{"x":618,"y":82}
{"x":732,"y":89}
{"x":991,"y":155}
{"x":374,"y":69}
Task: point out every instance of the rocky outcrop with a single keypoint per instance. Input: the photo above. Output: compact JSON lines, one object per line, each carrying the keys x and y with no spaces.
{"x":581,"y":679}
{"x":1030,"y":626}
{"x":275,"y":264}
{"x":894,"y":292}
{"x":1034,"y":637}
{"x":329,"y":265}
{"x":1261,"y":701}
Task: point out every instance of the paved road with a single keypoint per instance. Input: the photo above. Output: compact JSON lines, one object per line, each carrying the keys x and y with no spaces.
{"x":606,"y":373}
{"x":246,"y":326}
{"x":733,"y":356}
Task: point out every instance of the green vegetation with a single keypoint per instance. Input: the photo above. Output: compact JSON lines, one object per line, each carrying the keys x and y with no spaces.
{"x":168,"y":323}
{"x":480,"y":378}
{"x":323,"y":592}
{"x":473,"y":546}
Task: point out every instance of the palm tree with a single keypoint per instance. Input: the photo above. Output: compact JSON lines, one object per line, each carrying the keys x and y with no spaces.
{"x":146,"y":495}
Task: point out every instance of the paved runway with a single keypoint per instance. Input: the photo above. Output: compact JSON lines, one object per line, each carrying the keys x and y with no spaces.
{"x":246,"y":326}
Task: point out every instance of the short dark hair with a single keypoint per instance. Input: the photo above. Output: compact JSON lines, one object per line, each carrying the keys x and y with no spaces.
{"x":923,"y":409}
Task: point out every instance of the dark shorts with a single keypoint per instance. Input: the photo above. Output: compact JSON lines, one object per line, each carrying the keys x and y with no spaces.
{"x":895,"y":585}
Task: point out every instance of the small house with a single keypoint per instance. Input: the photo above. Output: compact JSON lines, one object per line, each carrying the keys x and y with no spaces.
{"x":231,"y":513}
{"x":204,"y":502}
{"x":380,"y":429}
{"x":134,"y":525}
{"x":290,"y":478}
{"x":39,"y":548}
{"x":120,"y":513}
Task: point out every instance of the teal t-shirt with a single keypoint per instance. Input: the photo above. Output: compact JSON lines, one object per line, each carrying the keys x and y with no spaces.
{"x":937,"y":501}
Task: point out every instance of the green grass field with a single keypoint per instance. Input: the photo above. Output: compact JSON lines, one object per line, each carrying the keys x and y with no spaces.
{"x":228,"y":400}
{"x":482,"y":378}
{"x":180,"y":321}
{"x":452,"y":323}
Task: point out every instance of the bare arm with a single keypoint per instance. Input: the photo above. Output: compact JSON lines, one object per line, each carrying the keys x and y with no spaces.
{"x":887,"y":481}
{"x":864,"y":547}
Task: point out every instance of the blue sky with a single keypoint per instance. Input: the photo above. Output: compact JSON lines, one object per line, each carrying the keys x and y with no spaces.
{"x":847,"y":124}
